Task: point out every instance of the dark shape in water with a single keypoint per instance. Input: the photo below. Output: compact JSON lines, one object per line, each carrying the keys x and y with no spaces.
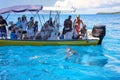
{"x":85,"y":58}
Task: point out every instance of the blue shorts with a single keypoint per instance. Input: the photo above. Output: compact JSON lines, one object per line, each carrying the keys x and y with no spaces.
{"x":3,"y":33}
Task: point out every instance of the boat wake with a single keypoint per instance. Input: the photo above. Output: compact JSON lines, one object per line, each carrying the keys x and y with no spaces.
{"x":85,"y":58}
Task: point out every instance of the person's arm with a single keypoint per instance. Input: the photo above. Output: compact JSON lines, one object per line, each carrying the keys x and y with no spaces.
{"x":75,"y":21}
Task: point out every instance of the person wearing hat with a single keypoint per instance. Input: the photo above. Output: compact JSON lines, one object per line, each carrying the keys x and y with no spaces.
{"x":77,"y":24}
{"x":3,"y":31}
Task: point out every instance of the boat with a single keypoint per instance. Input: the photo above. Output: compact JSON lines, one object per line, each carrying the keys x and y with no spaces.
{"x":93,"y":39}
{"x":48,"y":42}
{"x":95,"y":36}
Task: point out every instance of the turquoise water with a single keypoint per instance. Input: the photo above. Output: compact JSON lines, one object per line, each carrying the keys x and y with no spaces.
{"x":48,"y":62}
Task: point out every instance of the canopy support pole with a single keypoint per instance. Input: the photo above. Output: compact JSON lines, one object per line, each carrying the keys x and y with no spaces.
{"x":50,"y":14}
{"x":43,"y":18}
{"x":39,"y":19}
{"x":7,"y":16}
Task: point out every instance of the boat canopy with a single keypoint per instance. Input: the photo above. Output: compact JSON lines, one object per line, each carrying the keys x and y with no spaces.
{"x":21,"y":8}
{"x":58,"y":9}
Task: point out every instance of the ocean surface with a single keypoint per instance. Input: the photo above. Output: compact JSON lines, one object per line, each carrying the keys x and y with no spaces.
{"x":100,"y":62}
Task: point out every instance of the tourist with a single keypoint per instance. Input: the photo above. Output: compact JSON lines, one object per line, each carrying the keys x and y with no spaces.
{"x":13,"y":34}
{"x":19,"y":32}
{"x":12,"y":29}
{"x":77,"y":24}
{"x":30,"y":29}
{"x":83,"y":31}
{"x":24,"y":24}
{"x":36,"y":27}
{"x":19,"y":22}
{"x":67,"y":25}
{"x":3,"y":31}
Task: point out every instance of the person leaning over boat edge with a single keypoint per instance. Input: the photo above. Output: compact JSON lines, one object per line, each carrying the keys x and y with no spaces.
{"x":83,"y":31}
{"x":3,"y":31}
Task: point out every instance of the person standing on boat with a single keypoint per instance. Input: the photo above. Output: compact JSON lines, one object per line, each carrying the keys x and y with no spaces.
{"x":24,"y":25}
{"x":67,"y":25}
{"x":77,"y":24}
{"x":30,"y":29}
{"x":19,"y":22}
{"x":3,"y":31}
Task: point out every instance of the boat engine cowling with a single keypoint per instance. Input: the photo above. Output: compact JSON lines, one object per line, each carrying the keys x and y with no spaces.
{"x":99,"y":31}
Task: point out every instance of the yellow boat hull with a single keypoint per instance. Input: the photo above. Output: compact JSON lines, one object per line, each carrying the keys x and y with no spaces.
{"x":48,"y":42}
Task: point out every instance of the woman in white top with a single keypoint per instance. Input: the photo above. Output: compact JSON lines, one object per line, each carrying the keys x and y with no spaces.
{"x":24,"y":24}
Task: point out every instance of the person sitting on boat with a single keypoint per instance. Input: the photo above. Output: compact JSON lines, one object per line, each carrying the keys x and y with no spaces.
{"x":19,"y":32}
{"x":67,"y":25}
{"x":54,"y":36}
{"x":77,"y":24}
{"x":3,"y":31}
{"x":40,"y":34}
{"x":13,"y":34}
{"x":48,"y":30}
{"x":12,"y":30}
{"x":11,"y":27}
{"x":44,"y":33}
{"x":84,"y":31}
{"x":30,"y":33}
{"x":30,"y":29}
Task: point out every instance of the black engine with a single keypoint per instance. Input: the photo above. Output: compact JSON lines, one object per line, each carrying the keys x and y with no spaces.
{"x":99,"y":31}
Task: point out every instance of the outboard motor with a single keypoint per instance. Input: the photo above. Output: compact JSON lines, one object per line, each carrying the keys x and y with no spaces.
{"x":99,"y":31}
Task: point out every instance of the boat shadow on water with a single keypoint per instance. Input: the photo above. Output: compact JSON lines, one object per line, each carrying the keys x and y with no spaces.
{"x":86,"y":58}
